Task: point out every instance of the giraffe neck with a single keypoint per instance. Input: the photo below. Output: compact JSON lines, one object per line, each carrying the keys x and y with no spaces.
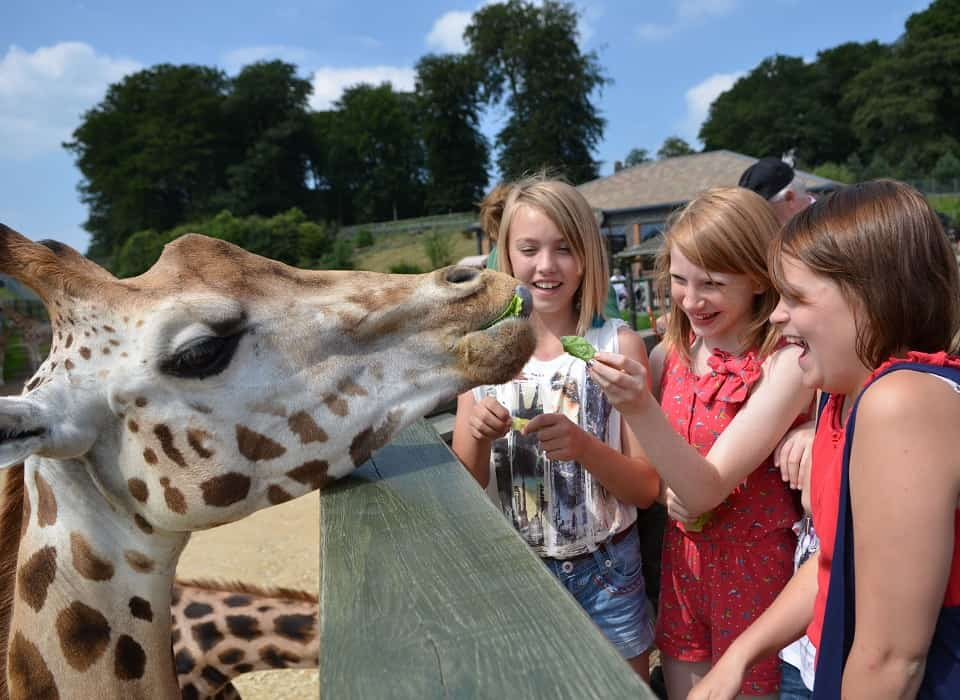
{"x":91,"y":606}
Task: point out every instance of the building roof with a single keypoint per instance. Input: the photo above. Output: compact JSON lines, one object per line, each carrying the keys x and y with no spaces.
{"x":673,"y":181}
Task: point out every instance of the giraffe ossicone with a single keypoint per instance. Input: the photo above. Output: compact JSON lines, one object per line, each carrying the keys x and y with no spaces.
{"x":213,"y":385}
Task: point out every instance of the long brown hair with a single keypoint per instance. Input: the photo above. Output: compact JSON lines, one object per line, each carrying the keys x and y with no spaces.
{"x":883,"y":244}
{"x":725,"y":229}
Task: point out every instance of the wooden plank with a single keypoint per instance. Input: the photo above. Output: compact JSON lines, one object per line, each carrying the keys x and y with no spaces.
{"x":428,"y":592}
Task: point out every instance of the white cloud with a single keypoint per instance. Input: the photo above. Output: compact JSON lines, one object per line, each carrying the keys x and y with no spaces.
{"x":329,"y":83}
{"x":447,"y":32}
{"x":44,"y":93}
{"x":686,"y":12}
{"x":235,"y":60}
{"x":699,"y":98}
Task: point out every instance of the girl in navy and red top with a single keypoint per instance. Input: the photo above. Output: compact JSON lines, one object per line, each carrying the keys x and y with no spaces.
{"x":869,"y":289}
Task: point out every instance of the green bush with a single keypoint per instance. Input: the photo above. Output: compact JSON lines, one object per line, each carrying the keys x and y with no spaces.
{"x":835,"y":171}
{"x":439,"y":249}
{"x":363,"y":239}
{"x":405,"y":269}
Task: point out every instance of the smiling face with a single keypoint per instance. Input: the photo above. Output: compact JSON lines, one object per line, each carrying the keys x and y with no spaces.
{"x":220,"y":382}
{"x":719,"y":305}
{"x":542,"y":259}
{"x":818,"y":318}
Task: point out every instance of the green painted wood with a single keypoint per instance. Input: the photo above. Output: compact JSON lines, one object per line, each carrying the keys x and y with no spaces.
{"x":426,"y":592}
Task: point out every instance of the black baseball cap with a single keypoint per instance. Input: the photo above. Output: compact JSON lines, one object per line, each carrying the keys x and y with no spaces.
{"x":767,"y":176}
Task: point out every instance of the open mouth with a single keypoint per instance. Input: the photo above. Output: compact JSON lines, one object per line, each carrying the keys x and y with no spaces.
{"x":519,"y":307}
{"x":704,"y":318}
{"x":798,"y":341}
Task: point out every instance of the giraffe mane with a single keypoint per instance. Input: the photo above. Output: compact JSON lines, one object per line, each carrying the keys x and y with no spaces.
{"x":11,"y":520}
{"x":251,"y":589}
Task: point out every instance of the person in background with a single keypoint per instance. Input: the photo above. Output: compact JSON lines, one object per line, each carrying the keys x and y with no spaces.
{"x":776,"y":181}
{"x":570,"y":479}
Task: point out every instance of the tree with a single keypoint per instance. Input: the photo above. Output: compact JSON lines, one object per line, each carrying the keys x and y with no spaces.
{"x":152,"y":153}
{"x":636,"y":156}
{"x":529,"y":58}
{"x":457,"y":154}
{"x":947,"y":167}
{"x":835,"y":171}
{"x":267,"y":113}
{"x":674,"y":146}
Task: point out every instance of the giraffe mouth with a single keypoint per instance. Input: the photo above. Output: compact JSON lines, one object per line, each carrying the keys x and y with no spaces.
{"x":520,"y":307}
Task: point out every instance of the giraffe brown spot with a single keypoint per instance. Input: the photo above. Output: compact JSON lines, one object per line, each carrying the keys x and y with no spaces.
{"x":184,"y":662}
{"x":175,"y":500}
{"x":123,"y":354}
{"x":35,"y":577}
{"x":231,"y":656}
{"x":164,"y":481}
{"x":175,"y":636}
{"x":32,"y":384}
{"x":213,"y":676}
{"x":277,"y":495}
{"x":138,"y":489}
{"x":149,"y":456}
{"x":133,"y":425}
{"x":255,"y":446}
{"x":46,"y":502}
{"x":206,"y":635}
{"x":196,"y":438}
{"x":337,"y":405}
{"x":350,"y":388}
{"x":69,"y":341}
{"x":271,"y":408}
{"x":225,"y":490}
{"x":141,"y":609}
{"x":189,"y":692}
{"x":243,"y":668}
{"x":306,"y":428}
{"x":130,"y":660}
{"x":84,"y":635}
{"x":299,"y":628}
{"x":244,"y":626}
{"x":86,"y":561}
{"x":85,"y":352}
{"x":197,"y":610}
{"x":109,"y":329}
{"x":143,"y":524}
{"x":105,"y":349}
{"x":312,"y":473}
{"x":237,"y":600}
{"x":28,"y":677}
{"x":138,"y":561}
{"x":166,"y":443}
{"x":277,"y":658}
{"x":369,"y":440}
{"x":201,"y":408}
{"x":25,"y":519}
{"x":68,"y":363}
{"x":140,"y":401}
{"x":114,"y":342}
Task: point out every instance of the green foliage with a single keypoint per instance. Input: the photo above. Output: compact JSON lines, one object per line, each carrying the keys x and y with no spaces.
{"x":363,"y":239}
{"x":439,"y":249}
{"x":529,"y":58}
{"x":636,"y":156}
{"x":139,"y":252}
{"x":878,"y":167}
{"x":457,"y":153}
{"x":674,"y":146}
{"x":405,"y":269}
{"x":947,"y":167}
{"x":835,"y":171}
{"x":947,"y":204}
{"x":340,"y":258}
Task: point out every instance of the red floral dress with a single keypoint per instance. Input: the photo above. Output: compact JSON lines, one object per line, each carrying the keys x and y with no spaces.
{"x":714,"y":583}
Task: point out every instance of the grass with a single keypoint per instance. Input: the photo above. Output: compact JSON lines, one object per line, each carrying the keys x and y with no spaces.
{"x":389,"y":250}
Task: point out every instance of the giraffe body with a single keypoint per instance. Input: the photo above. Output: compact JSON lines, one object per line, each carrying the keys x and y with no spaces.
{"x":215,"y":384}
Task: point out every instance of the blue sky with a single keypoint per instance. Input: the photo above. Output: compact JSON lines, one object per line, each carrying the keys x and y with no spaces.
{"x":668,"y":60}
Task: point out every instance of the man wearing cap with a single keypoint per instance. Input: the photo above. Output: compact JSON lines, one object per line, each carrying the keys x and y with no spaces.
{"x":776,"y":182}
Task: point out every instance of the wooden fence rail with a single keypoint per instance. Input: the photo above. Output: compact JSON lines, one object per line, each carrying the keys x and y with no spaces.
{"x":426,"y":591}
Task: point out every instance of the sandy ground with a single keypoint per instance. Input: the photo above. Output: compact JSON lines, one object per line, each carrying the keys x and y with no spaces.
{"x":279,"y":546}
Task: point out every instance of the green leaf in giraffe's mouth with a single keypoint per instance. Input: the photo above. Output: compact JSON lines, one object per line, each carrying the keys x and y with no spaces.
{"x":514,"y":310}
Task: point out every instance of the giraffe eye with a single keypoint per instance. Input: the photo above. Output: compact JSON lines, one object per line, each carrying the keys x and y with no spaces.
{"x":202,"y":357}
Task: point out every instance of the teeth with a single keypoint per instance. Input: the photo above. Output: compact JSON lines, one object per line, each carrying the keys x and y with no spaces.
{"x":796,"y":340}
{"x":546,"y":285}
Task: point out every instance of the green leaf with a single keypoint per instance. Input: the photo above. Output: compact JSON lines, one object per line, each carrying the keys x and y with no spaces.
{"x":698,"y":524}
{"x":514,"y":308}
{"x":578,"y":347}
{"x":518,"y":424}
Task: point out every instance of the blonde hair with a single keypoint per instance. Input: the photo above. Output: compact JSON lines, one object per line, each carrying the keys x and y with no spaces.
{"x":571,"y":214}
{"x":883,"y":244}
{"x":725,"y":229}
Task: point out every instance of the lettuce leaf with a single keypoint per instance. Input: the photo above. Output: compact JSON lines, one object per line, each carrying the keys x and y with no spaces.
{"x":578,"y":347}
{"x":514,"y":308}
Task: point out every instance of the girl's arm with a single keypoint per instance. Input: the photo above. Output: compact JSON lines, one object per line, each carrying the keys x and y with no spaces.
{"x":783,"y":622}
{"x":476,"y":426}
{"x":626,"y":473}
{"x":904,"y":485}
{"x":703,"y":482}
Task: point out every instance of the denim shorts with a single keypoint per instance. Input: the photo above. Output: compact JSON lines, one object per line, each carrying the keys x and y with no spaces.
{"x":608,"y":584}
{"x":791,"y":683}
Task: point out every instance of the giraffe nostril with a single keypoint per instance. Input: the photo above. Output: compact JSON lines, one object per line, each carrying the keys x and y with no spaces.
{"x":459,"y":275}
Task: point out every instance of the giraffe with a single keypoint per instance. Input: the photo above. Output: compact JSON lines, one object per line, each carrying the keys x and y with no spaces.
{"x":215,"y":384}
{"x":34,"y":333}
{"x":222,"y":630}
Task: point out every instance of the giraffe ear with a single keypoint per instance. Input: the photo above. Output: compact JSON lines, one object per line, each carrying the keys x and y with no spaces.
{"x":23,"y":430}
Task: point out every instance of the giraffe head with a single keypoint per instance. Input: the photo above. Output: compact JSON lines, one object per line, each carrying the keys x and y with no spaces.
{"x":220,"y":382}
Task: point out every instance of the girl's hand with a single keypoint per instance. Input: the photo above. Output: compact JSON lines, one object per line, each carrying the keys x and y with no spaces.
{"x":560,"y":438}
{"x":489,"y":419}
{"x":623,"y":380}
{"x":792,"y":455}
{"x":676,"y":508}
{"x":722,"y":682}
